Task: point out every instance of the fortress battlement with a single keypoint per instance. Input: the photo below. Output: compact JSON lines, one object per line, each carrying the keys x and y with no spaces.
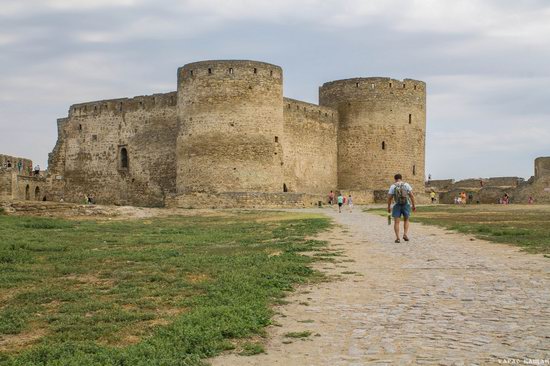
{"x":378,"y":81}
{"x":122,"y":105}
{"x":321,"y":113}
{"x":244,"y":69}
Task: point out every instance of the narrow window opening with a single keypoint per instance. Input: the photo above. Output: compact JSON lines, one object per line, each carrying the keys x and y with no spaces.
{"x":255,"y":70}
{"x":120,"y":106}
{"x":285,"y":188}
{"x":80,"y":127}
{"x":289,"y":106}
{"x":415,"y":87}
{"x":403,"y":86}
{"x":191,"y":72}
{"x":271,"y":73}
{"x":414,"y":169}
{"x":383,"y":145}
{"x":410,"y":118}
{"x":231,"y":70}
{"x":276,"y":138}
{"x":390,"y":85}
{"x":37,"y":194}
{"x":357,"y":85}
{"x":209,"y":70}
{"x":27,"y":192}
{"x":95,"y":108}
{"x":123,"y":158}
{"x":326,"y":114}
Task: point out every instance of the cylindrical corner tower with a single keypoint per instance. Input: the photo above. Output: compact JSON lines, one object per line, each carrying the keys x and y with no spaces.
{"x":231,"y":117}
{"x":382,"y":130}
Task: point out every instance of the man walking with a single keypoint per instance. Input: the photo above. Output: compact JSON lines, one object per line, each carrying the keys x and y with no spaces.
{"x":402,"y":195}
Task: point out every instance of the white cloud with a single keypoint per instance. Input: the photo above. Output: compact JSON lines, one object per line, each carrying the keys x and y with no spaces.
{"x":88,"y":4}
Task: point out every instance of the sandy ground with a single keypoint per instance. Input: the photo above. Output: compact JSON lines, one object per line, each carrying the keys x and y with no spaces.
{"x":442,"y":299}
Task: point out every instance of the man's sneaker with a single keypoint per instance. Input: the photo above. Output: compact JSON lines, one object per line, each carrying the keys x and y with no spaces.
{"x":397,"y":241}
{"x":405,"y":237}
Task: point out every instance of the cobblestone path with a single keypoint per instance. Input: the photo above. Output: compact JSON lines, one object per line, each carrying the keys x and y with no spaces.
{"x":442,"y":299}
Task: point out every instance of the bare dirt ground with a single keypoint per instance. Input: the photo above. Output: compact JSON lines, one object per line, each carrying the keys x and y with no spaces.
{"x":442,"y":299}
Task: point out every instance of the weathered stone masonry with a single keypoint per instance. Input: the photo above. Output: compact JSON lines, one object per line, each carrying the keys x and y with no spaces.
{"x":228,"y":134}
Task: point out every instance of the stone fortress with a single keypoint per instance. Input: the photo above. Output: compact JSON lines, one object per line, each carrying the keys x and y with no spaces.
{"x":228,"y":137}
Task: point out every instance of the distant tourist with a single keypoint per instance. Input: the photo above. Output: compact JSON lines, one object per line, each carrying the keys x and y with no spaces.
{"x":531,"y":200}
{"x":463,"y":197}
{"x":402,"y":195}
{"x":470,"y":197}
{"x":481,"y":183}
{"x":331,"y":198}
{"x":340,"y":200}
{"x":19,"y":166}
{"x":37,"y":170}
{"x":432,"y":196}
{"x":505,"y":199}
{"x":350,"y":203}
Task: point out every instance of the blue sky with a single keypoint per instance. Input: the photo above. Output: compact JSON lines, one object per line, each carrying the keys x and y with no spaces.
{"x":486,"y":63}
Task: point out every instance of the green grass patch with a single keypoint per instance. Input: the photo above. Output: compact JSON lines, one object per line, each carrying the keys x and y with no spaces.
{"x":526,"y":226}
{"x":251,"y":349}
{"x":164,"y":291}
{"x":303,"y":334}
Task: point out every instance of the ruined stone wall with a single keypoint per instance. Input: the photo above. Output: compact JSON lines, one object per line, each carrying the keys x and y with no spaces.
{"x":381,"y":132}
{"x":542,"y":168}
{"x":539,"y":186}
{"x":93,"y":140}
{"x":6,"y":185}
{"x":14,"y":186}
{"x":309,"y":147}
{"x":438,"y":185}
{"x":231,"y":117}
{"x":489,"y":182}
{"x":26,"y":164}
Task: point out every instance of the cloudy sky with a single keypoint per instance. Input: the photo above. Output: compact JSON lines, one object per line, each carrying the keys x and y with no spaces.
{"x":486,"y":63}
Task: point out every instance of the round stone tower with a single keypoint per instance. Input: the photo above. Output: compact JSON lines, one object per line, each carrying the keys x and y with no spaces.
{"x":382,"y":130}
{"x":230,"y":117}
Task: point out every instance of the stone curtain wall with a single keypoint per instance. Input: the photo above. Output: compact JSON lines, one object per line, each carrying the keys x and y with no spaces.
{"x":26,"y":164}
{"x":309,"y":147}
{"x":381,"y":132}
{"x":6,"y":185}
{"x":87,"y":156}
{"x":542,"y":168}
{"x":231,"y":120}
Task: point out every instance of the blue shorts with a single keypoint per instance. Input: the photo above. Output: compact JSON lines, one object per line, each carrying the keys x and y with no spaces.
{"x":401,"y":210}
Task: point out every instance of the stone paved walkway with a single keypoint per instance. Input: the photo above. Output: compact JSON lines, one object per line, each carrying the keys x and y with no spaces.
{"x":442,"y":299}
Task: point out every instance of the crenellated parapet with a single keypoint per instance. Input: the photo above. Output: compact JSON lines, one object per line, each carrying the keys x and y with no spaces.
{"x":310,"y":110}
{"x":123,"y":105}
